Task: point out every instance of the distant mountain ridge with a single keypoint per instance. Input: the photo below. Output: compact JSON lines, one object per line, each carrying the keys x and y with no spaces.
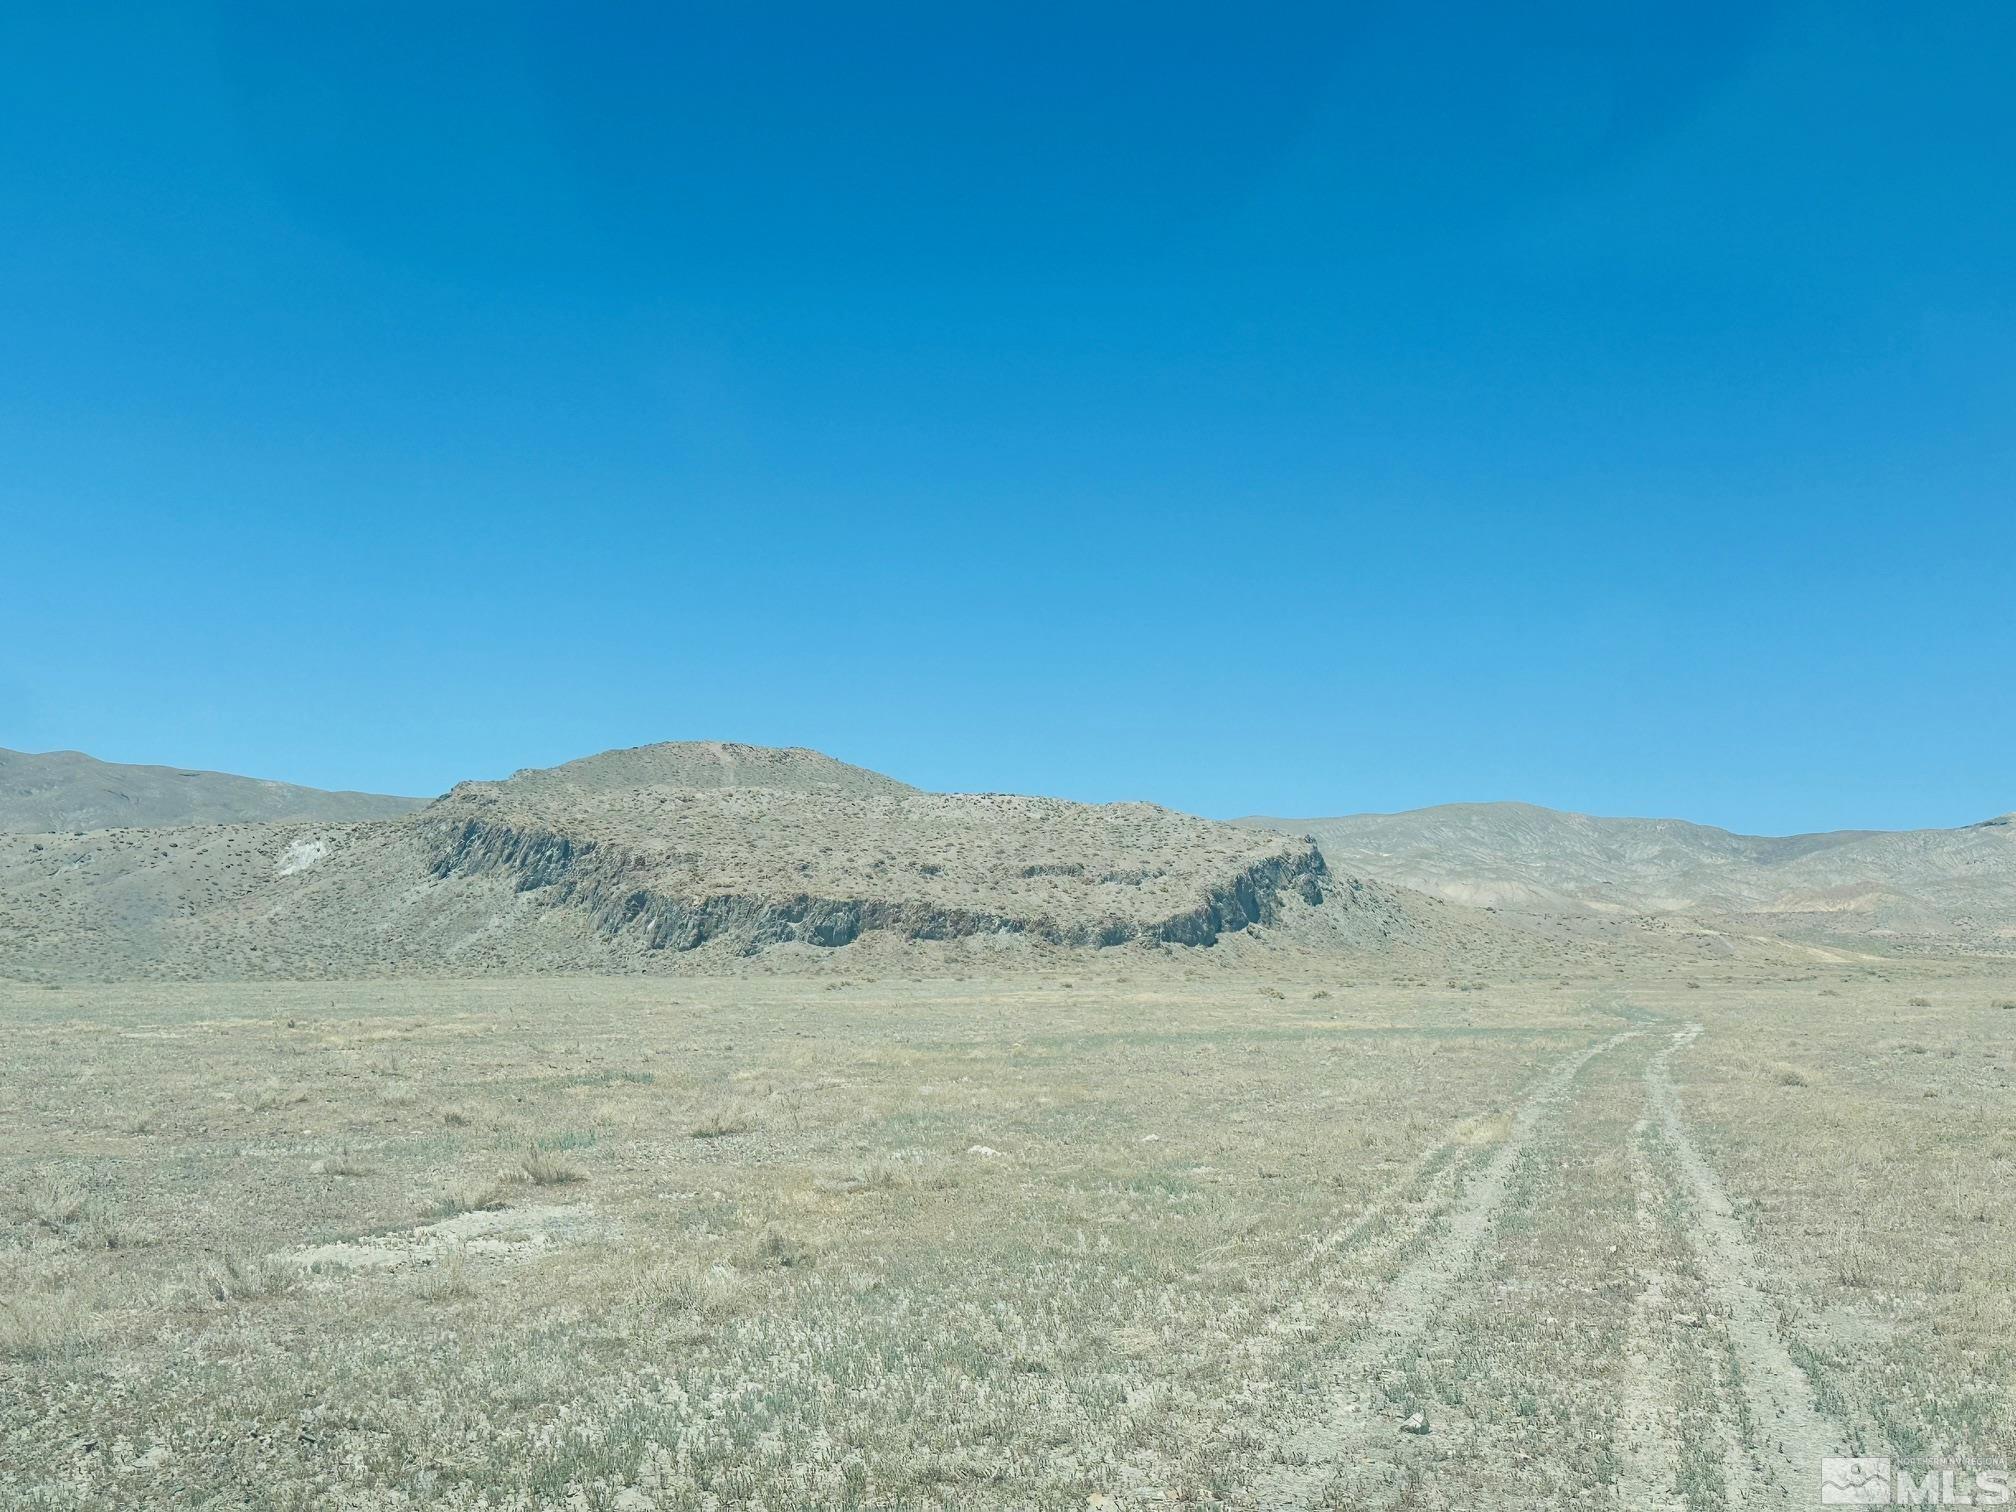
{"x":59,"y":791}
{"x":701,"y":855}
{"x":1521,"y":856}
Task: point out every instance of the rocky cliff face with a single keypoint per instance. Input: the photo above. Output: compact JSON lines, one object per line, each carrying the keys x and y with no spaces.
{"x":617,"y":889}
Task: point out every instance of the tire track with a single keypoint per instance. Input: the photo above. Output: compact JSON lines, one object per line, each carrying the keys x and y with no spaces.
{"x":1648,"y":1448}
{"x":1390,"y":1220}
{"x":1311,"y":1458}
{"x":1791,"y":1434}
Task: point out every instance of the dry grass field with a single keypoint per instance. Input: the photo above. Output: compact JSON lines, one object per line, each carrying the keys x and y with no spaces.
{"x":1078,"y":1239}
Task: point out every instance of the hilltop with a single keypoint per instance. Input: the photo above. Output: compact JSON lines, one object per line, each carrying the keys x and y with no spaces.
{"x":701,"y":764}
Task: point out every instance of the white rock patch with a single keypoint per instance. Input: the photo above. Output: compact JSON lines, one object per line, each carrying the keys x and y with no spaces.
{"x":507,"y":1234}
{"x":301,"y":855}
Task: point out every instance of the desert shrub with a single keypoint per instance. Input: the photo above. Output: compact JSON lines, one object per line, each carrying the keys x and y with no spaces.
{"x":686,"y":1286}
{"x":447,"y":1279}
{"x":468,"y":1197}
{"x":54,"y":1203}
{"x":273,"y":1096}
{"x":721,"y":1121}
{"x":547,"y":1168}
{"x":879,"y":1175}
{"x":1854,"y":1264}
{"x":775,"y":1249}
{"x":247,"y":1278}
{"x":39,"y":1326}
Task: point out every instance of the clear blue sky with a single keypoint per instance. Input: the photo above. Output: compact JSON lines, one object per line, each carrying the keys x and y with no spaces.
{"x":1251,"y":409}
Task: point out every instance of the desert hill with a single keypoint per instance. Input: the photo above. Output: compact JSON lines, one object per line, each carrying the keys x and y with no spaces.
{"x":67,"y":790}
{"x":702,"y":764}
{"x":1959,"y":882}
{"x":676,"y":857}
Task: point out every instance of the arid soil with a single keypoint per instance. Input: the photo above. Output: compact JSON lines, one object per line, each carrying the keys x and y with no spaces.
{"x":1178,"y":1233}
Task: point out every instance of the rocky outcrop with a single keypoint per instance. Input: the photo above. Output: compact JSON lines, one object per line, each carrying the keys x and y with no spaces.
{"x":1251,"y":897}
{"x":621,"y":894}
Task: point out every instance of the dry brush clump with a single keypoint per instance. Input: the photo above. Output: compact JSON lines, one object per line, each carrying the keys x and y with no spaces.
{"x":54,"y":1203}
{"x":273,"y":1097}
{"x":447,"y":1278}
{"x":777,"y":1248}
{"x":58,"y":1208}
{"x":342,"y":1163}
{"x":548,"y":1168}
{"x":723,"y":1120}
{"x":234,"y":1277}
{"x":40,"y":1326}
{"x":687,"y":1286}
{"x":882,"y":1174}
{"x":473,"y":1196}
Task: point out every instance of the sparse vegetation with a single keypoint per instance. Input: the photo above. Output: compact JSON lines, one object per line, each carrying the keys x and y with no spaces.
{"x":235,"y":1277}
{"x":343,"y":1163}
{"x":471,"y":1197}
{"x":38,"y":1327}
{"x":273,"y":1096}
{"x":55,"y":1203}
{"x":722,"y":1120}
{"x":548,"y":1168}
{"x":1121,"y":1199}
{"x":447,"y":1279}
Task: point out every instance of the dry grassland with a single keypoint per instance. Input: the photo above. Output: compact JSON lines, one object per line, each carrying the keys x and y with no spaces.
{"x":1063,"y":1241}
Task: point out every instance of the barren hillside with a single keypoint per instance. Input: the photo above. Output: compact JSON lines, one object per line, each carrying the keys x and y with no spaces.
{"x":67,"y":790}
{"x":1958,"y":882}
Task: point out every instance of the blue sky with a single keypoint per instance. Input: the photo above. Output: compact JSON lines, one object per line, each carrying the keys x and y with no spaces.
{"x":1283,"y":410}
